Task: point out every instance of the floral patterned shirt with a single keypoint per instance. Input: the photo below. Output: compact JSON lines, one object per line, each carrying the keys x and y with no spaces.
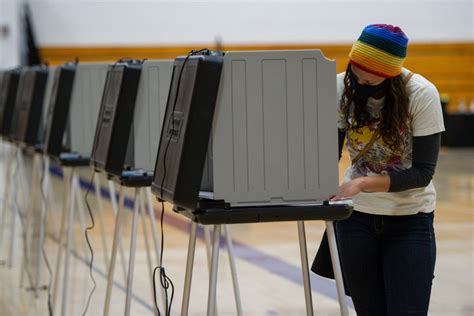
{"x":425,"y":109}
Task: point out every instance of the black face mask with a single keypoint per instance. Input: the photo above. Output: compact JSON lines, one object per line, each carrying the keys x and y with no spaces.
{"x":362,"y":92}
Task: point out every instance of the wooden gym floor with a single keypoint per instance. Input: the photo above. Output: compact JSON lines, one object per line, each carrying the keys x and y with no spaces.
{"x":267,"y":257}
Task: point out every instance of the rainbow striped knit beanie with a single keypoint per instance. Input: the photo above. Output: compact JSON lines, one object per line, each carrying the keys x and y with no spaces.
{"x":381,"y":50}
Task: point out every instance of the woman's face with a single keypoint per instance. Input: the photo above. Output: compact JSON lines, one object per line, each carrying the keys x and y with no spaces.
{"x":365,"y":78}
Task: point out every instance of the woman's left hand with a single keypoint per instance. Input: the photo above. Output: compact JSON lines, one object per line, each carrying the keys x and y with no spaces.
{"x":349,"y":189}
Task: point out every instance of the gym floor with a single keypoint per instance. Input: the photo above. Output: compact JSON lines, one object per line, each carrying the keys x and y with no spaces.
{"x":267,"y":257}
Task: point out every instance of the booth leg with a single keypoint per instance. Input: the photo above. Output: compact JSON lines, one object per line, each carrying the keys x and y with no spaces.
{"x":100,"y":210}
{"x":16,"y":217}
{"x":189,"y":270}
{"x":211,"y":301}
{"x":62,"y":232}
{"x":233,"y":269}
{"x":133,"y":246}
{"x":82,"y":219}
{"x":8,"y":203}
{"x":52,"y":201}
{"x":154,"y":230}
{"x":145,"y":238}
{"x":69,"y":237}
{"x":336,"y":266}
{"x":305,"y":268}
{"x":28,"y":213}
{"x":42,"y":185}
{"x":113,"y":258}
{"x":6,"y":197}
{"x":115,"y":207}
{"x":14,"y":211}
{"x":207,"y":240}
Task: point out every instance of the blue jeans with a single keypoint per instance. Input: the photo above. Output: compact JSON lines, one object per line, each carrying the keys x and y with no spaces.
{"x":388,"y":262}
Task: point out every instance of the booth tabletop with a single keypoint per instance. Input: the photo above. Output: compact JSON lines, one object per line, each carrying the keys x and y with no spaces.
{"x":273,"y":213}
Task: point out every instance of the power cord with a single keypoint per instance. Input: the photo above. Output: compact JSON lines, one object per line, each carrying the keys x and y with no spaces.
{"x":94,"y":149}
{"x":125,"y":59}
{"x":165,"y":281}
{"x":89,"y":244}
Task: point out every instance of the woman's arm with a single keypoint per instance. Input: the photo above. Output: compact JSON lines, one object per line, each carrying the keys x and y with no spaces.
{"x":424,"y":158}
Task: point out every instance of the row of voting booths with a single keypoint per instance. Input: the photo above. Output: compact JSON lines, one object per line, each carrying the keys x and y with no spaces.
{"x":224,"y":137}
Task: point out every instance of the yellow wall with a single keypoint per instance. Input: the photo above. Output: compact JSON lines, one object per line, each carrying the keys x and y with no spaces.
{"x":450,"y":66}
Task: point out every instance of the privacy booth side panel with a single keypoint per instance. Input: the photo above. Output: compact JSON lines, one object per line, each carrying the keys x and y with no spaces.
{"x":150,"y":109}
{"x":85,"y":105}
{"x":46,"y":102}
{"x":275,"y":132}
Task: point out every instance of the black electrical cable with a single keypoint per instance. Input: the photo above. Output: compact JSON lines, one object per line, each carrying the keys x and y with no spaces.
{"x":89,"y":244}
{"x":43,"y":251}
{"x":165,"y":281}
{"x":98,"y":197}
{"x":87,"y":202}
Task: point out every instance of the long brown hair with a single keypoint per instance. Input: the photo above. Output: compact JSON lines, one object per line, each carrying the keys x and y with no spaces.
{"x":395,"y":115}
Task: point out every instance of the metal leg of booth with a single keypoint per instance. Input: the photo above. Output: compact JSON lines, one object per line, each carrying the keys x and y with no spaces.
{"x":6,"y":205}
{"x":113,"y":198}
{"x":208,"y":243}
{"x":154,"y":230}
{"x":16,"y":219}
{"x":305,"y":268}
{"x":81,"y":214}
{"x":15,"y":211}
{"x":211,"y":299}
{"x":69,"y":237}
{"x":233,"y":269}
{"x":214,"y":251}
{"x":62,"y":232}
{"x":189,"y":269}
{"x":145,"y":239}
{"x":43,"y":185}
{"x":100,"y":210}
{"x":28,"y":215}
{"x":113,"y":258}
{"x":336,"y":265}
{"x":133,"y":247}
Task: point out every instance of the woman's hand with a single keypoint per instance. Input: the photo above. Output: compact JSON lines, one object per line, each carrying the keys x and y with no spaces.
{"x":349,"y":189}
{"x":366,"y":184}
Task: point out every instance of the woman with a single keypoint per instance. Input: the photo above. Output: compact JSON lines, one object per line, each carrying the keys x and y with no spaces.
{"x":391,"y":120}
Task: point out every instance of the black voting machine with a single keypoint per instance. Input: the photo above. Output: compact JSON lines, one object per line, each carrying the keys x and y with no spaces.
{"x":8,"y":93}
{"x":186,"y":129}
{"x":29,"y":106}
{"x":115,"y":117}
{"x":58,"y":111}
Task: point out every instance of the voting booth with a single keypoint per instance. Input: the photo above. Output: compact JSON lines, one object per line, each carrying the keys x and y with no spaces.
{"x":8,"y":92}
{"x":251,"y":137}
{"x":130,"y":155}
{"x":29,"y":105}
{"x":86,"y":98}
{"x":116,"y":117}
{"x":273,"y":137}
{"x":58,"y":109}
